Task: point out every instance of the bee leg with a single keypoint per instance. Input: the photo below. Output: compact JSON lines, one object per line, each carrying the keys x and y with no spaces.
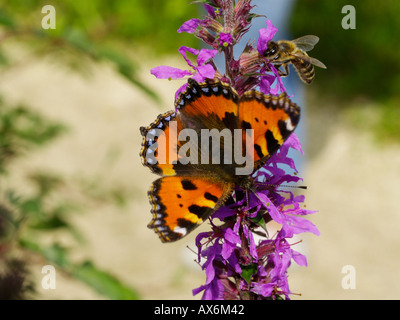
{"x":284,"y":72}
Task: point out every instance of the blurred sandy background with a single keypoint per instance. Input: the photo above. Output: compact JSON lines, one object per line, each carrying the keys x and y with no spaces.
{"x":352,"y":176}
{"x":352,"y":180}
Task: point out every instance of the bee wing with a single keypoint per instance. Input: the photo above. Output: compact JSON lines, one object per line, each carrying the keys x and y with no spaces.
{"x":306,"y":43}
{"x":311,"y":60}
{"x":317,"y":63}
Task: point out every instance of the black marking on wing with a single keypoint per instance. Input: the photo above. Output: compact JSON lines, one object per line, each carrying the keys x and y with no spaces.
{"x":272,"y":143}
{"x":188,"y":185}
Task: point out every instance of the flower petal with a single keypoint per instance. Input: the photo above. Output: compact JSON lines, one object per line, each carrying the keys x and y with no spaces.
{"x":205,"y":71}
{"x":205,"y":55}
{"x":279,"y":85}
{"x":294,"y":142}
{"x":225,"y":38}
{"x":189,"y":26}
{"x":299,"y":258}
{"x":265,"y":83}
{"x":181,"y":89}
{"x":265,"y":35}
{"x":166,"y":72}
{"x":183,"y":50}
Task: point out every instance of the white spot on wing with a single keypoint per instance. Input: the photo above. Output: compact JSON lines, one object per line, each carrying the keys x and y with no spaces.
{"x":180,"y":230}
{"x":289,"y":124}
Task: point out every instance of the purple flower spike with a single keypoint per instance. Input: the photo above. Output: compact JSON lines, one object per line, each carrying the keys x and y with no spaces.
{"x":241,"y":257}
{"x":233,"y":253}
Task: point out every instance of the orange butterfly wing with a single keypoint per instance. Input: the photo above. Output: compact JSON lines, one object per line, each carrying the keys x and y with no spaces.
{"x":208,"y":105}
{"x":180,"y":204}
{"x":272,"y":118}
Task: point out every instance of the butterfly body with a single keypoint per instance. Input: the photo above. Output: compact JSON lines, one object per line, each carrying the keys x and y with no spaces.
{"x":200,"y":172}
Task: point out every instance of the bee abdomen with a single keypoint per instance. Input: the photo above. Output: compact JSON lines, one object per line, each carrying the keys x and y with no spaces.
{"x":305,"y":70}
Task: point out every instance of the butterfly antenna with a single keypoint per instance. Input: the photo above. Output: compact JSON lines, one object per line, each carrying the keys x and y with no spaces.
{"x":280,"y":185}
{"x":248,"y":199}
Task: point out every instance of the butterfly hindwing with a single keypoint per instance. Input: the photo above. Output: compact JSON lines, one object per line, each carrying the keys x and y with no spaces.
{"x":181,"y":203}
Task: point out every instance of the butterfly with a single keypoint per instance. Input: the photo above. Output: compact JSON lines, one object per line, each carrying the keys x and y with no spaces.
{"x":188,"y":192}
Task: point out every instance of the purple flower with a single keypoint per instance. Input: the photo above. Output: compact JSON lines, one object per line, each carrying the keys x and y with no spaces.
{"x":266,"y":81}
{"x":212,"y":291}
{"x":199,"y":73}
{"x":225,"y":39}
{"x":220,"y":263}
{"x":232,"y":240}
{"x":265,"y":35}
{"x":190,"y":26}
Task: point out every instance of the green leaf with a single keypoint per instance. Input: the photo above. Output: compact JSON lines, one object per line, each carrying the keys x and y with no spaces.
{"x":126,"y":68}
{"x":210,"y":3}
{"x":54,"y":254}
{"x":53,"y":222}
{"x":4,"y":61}
{"x":32,"y":207}
{"x":248,"y":271}
{"x":6,"y":19}
{"x":57,"y":254}
{"x":6,"y":220}
{"x":144,"y":88}
{"x":103,"y":282}
{"x":99,"y":280}
{"x":79,"y":40}
{"x":258,"y":219}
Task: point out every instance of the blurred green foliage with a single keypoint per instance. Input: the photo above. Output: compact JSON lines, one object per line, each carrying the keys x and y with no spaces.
{"x":119,"y":32}
{"x":20,"y":129}
{"x":362,"y":61}
{"x":27,"y":219}
{"x":133,"y":23}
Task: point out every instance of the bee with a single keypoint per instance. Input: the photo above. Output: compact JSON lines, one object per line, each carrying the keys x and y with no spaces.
{"x":284,"y":52}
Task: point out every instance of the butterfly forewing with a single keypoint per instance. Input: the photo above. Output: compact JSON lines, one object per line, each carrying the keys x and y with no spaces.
{"x":272,"y":119}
